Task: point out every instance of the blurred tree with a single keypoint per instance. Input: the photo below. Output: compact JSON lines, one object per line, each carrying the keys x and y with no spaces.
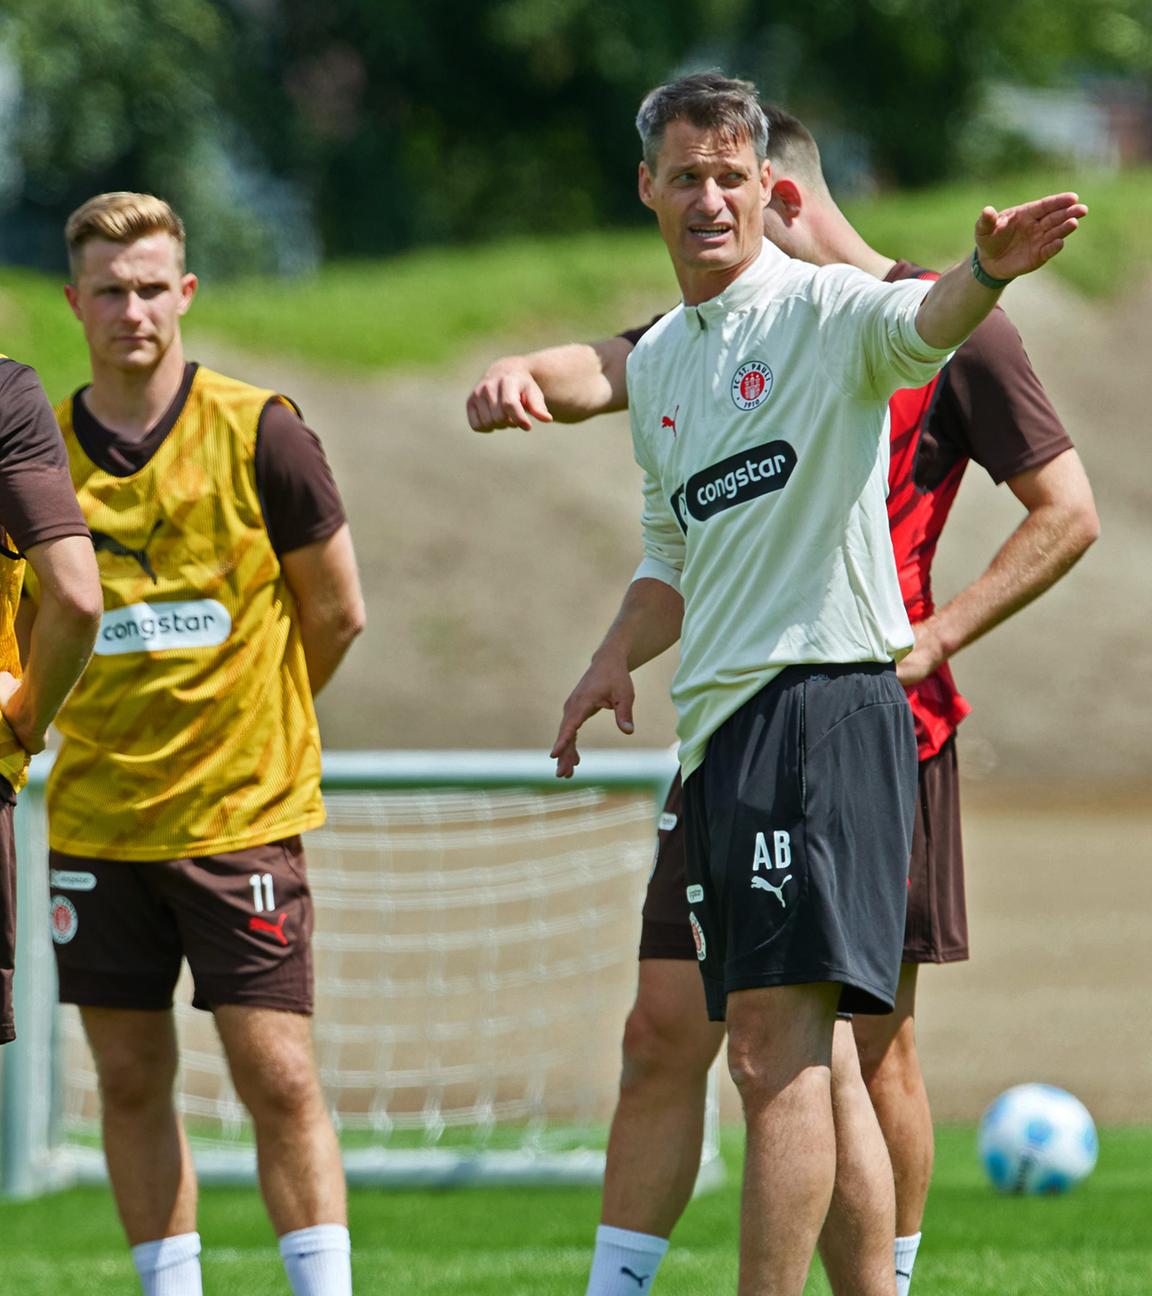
{"x":126,"y":94}
{"x":373,"y":127}
{"x":909,"y":76}
{"x":419,"y":123}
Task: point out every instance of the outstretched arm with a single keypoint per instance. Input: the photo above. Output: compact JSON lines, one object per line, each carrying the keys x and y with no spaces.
{"x":1009,"y":243}
{"x":1060,"y":525}
{"x":647,"y":624}
{"x":566,"y":383}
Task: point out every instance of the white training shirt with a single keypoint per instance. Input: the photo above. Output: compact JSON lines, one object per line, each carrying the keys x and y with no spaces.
{"x":760,"y":420}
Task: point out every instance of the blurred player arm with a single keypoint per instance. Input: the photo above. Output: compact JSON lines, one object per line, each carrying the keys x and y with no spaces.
{"x":41,"y":515}
{"x":329,"y":605}
{"x":56,"y":635}
{"x":1009,"y":243}
{"x":1060,"y":525}
{"x":565,"y":383}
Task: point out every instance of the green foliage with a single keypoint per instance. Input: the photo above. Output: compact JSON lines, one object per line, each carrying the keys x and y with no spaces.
{"x":125,"y":94}
{"x":275,"y":125}
{"x":509,"y":1242}
{"x":416,"y":124}
{"x":105,"y":80}
{"x":905,"y":78}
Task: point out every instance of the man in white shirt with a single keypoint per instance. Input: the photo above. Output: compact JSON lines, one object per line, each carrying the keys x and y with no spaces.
{"x":758,"y":415}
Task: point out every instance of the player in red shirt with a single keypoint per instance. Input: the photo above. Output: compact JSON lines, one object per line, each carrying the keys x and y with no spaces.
{"x":987,"y":405}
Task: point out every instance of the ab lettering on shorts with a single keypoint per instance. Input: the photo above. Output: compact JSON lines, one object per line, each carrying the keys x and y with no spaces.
{"x":773,"y":863}
{"x":771,"y":857}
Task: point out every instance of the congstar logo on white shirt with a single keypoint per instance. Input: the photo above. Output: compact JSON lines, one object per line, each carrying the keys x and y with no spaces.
{"x":160,"y":627}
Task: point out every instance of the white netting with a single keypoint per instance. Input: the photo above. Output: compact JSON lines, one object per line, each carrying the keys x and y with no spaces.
{"x":475,"y":958}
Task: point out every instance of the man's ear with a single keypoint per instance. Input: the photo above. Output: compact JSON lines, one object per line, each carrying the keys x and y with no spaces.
{"x":645,"y":184}
{"x":786,"y":199}
{"x":188,"y":285}
{"x":72,"y":298}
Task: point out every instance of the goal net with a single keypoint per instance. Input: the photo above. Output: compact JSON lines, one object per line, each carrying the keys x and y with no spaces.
{"x":475,"y":950}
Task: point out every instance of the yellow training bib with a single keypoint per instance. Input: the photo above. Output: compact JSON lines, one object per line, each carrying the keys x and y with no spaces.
{"x":192,"y":731}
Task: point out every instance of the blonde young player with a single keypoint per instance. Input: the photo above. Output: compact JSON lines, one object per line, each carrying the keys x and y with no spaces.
{"x":190,"y":762}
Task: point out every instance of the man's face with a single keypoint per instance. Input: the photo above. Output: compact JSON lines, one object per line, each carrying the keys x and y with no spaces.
{"x":708,"y":194}
{"x":130,"y":297}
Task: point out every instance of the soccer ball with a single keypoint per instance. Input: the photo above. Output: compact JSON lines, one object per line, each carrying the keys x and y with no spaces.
{"x":1036,"y":1138}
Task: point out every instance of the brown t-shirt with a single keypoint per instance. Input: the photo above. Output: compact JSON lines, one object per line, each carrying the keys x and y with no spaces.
{"x":37,"y":502}
{"x":988,"y":406}
{"x":297,"y":491}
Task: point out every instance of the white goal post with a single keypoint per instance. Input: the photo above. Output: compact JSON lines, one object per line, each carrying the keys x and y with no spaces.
{"x":475,"y":950}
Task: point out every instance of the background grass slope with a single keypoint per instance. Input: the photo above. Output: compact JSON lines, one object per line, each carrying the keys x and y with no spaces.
{"x":428,"y":308}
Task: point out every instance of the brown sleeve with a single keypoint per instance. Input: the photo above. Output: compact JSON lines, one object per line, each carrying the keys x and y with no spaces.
{"x":992,"y":406}
{"x":635,"y":334}
{"x":297,"y":491}
{"x":37,"y":499}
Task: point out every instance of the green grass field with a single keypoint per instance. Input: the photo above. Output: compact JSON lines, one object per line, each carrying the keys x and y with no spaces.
{"x":1094,"y":1242}
{"x":431,"y":307}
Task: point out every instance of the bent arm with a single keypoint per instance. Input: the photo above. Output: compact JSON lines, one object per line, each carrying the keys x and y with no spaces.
{"x":329,"y":605}
{"x":566,"y":383}
{"x":1060,"y":525}
{"x":1009,"y":243}
{"x":57,"y":642}
{"x":647,"y":624}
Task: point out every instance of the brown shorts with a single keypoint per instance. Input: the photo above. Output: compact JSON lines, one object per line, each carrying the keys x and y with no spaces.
{"x":243,"y":920}
{"x":7,"y":924}
{"x":936,"y":929}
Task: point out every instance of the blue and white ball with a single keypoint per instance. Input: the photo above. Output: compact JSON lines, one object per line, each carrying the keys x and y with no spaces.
{"x":1036,"y":1138}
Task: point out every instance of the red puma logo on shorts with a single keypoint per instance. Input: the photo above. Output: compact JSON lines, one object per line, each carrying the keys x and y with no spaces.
{"x":260,"y":925}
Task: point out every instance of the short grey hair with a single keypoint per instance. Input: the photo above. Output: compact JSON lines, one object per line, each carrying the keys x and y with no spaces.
{"x":708,"y":101}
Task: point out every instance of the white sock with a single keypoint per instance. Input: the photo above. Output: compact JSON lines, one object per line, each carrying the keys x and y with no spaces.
{"x":624,"y":1263}
{"x":318,"y":1260}
{"x":169,"y":1266}
{"x":906,"y":1248}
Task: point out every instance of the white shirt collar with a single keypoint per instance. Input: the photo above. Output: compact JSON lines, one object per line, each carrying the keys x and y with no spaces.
{"x":743,"y":290}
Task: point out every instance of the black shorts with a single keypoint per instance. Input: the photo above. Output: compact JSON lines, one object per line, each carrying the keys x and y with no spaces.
{"x":664,"y":930}
{"x":242,"y":919}
{"x":936,"y":928}
{"x":7,"y":923}
{"x":799,"y":832}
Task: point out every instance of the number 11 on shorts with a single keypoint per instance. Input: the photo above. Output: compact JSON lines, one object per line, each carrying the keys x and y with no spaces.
{"x":263,"y":899}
